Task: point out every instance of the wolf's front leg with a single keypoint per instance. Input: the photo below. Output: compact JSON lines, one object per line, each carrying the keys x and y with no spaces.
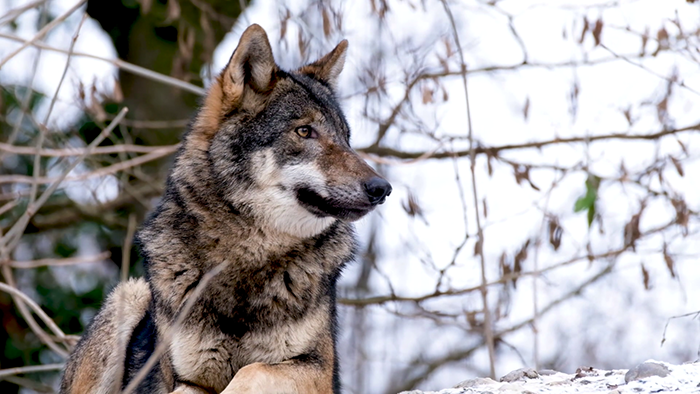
{"x":291,"y":377}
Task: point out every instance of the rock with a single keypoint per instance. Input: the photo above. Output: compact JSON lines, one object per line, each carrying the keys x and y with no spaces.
{"x":474,"y":383}
{"x":645,"y":370}
{"x":519,"y":374}
{"x":547,"y":372}
{"x":582,"y":372}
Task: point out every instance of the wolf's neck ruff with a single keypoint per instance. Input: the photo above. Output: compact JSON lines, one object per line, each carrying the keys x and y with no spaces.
{"x":267,"y":184}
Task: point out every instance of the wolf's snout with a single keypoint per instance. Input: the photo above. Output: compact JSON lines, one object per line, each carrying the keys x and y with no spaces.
{"x":377,"y":189}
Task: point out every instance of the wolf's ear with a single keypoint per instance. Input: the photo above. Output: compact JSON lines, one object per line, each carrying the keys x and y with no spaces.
{"x":328,"y":68}
{"x":251,"y":65}
{"x":243,"y":84}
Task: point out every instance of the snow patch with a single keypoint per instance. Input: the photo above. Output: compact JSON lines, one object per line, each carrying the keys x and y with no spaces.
{"x":646,"y":378}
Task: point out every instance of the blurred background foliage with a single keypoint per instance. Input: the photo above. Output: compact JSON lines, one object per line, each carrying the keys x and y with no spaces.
{"x":174,"y":38}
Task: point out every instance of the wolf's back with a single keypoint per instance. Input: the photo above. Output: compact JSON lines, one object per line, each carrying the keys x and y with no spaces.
{"x":97,"y":364}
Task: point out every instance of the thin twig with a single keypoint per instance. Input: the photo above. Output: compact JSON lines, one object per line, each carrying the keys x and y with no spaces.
{"x":488,"y":321}
{"x":14,"y":13}
{"x":29,"y":384}
{"x":14,"y":233}
{"x":8,"y":206}
{"x":460,"y":355}
{"x":478,"y":150}
{"x":26,"y":100}
{"x":30,"y":369}
{"x":36,"y":308}
{"x":378,"y":300}
{"x":114,"y":168}
{"x":100,"y":150}
{"x":57,"y":262}
{"x":12,"y":237}
{"x":26,"y":314}
{"x":663,"y":335}
{"x":126,"y":66}
{"x":8,"y":243}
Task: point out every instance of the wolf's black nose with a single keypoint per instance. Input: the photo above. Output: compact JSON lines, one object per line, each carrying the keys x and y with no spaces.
{"x":377,"y":189}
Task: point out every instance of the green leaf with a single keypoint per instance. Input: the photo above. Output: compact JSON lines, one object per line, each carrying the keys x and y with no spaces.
{"x":588,"y":200}
{"x":591,"y":215}
{"x":584,"y":202}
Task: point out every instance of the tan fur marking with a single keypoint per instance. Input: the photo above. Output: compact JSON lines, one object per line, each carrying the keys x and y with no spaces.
{"x":184,"y":389}
{"x":209,"y":117}
{"x":283,"y":378}
{"x":85,"y":379}
{"x":288,"y":377}
{"x":100,"y":369}
{"x":233,"y":88}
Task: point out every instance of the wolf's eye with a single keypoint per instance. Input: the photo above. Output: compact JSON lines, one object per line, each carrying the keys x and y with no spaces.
{"x":306,"y":132}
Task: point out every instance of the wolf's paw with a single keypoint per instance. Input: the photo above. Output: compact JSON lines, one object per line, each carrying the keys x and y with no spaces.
{"x":185,"y":389}
{"x":260,"y":378}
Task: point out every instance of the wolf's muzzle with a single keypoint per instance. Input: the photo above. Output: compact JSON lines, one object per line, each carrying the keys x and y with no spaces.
{"x":377,"y":190}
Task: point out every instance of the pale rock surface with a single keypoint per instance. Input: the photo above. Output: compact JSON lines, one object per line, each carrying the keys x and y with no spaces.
{"x":646,"y":378}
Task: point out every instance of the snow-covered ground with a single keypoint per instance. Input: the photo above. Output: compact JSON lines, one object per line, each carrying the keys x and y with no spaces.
{"x":648,"y":377}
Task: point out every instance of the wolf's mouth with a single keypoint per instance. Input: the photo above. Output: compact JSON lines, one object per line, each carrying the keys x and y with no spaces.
{"x":322,"y":207}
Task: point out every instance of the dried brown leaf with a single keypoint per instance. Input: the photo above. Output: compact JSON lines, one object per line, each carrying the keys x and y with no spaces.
{"x":503,"y":263}
{"x":427,"y":94}
{"x":326,"y":22}
{"x":670,"y":264}
{"x":489,"y":166}
{"x":584,"y":30}
{"x":632,"y":233}
{"x":597,"y":30}
{"x":526,"y":108}
{"x":628,"y":115}
{"x":522,"y":173}
{"x":302,"y":44}
{"x":471,"y":319}
{"x":448,"y":47}
{"x":518,"y":261}
{"x":81,"y":92}
{"x":682,"y":213}
{"x":645,"y":277}
{"x":678,"y":165}
{"x":662,"y":36}
{"x":411,"y":206}
{"x":662,"y":109}
{"x":283,"y":23}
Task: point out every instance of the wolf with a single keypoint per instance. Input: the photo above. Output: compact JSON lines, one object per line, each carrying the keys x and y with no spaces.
{"x":265,"y":188}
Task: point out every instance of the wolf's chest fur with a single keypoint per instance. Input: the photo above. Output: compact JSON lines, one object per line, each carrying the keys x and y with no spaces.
{"x":270,"y":303}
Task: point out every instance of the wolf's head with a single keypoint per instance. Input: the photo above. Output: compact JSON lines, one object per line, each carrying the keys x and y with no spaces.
{"x":276,"y":143}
